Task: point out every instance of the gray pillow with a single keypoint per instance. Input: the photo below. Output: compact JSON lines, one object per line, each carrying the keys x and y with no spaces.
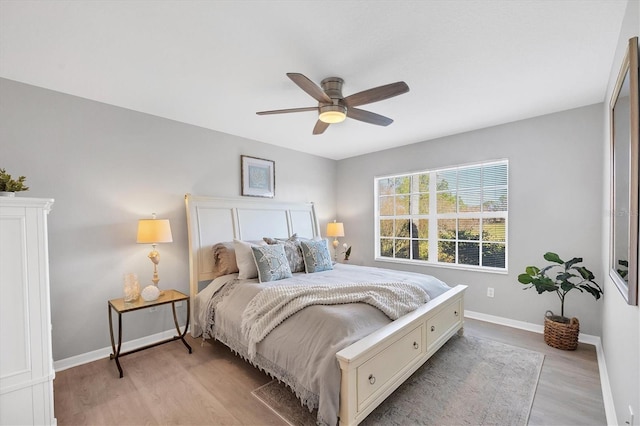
{"x":271,"y":262}
{"x":292,"y":250}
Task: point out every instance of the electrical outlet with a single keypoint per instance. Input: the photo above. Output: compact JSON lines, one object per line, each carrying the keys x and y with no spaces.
{"x":178,"y":304}
{"x":490,"y":292}
{"x":630,"y":418}
{"x":153,"y":309}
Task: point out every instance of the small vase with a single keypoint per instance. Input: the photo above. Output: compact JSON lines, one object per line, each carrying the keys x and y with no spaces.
{"x":7,"y":194}
{"x":131,"y":288}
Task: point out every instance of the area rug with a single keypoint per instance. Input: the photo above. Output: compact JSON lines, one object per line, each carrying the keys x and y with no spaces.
{"x":469,"y":381}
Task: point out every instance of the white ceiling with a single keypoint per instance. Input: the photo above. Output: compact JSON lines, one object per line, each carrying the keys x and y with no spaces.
{"x":469,"y":64}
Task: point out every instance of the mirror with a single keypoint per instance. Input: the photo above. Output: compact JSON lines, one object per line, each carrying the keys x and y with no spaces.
{"x":625,"y":134}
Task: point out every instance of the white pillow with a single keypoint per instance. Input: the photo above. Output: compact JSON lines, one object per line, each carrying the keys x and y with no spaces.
{"x":244,"y":258}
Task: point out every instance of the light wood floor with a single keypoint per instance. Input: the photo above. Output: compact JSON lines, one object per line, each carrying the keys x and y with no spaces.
{"x":166,"y":385}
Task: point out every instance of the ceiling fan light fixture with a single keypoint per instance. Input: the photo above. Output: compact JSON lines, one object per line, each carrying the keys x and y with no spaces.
{"x":332,"y":114}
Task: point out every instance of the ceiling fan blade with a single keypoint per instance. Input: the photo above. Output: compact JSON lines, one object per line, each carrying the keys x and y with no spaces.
{"x":284,"y":111}
{"x":309,"y":86}
{"x":368,"y":117}
{"x":376,"y":94}
{"x":320,"y":127}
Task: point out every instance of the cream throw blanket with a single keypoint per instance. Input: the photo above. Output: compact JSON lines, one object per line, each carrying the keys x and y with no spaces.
{"x":273,"y":305}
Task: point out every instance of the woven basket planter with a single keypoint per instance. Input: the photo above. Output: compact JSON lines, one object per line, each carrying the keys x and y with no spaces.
{"x":561,"y":335}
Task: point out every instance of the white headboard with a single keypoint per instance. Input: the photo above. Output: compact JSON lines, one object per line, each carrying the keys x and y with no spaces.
{"x":213,"y":220}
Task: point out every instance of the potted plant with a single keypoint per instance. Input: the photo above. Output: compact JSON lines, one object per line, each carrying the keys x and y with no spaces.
{"x":560,"y":331}
{"x":9,"y":186}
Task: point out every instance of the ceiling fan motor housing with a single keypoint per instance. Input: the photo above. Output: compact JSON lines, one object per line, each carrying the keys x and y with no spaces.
{"x":336,"y":111}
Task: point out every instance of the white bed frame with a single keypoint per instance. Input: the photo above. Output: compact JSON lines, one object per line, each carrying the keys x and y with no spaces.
{"x":373,"y":367}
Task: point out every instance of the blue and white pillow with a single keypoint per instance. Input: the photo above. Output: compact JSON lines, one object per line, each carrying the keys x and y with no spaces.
{"x":316,"y":256}
{"x":271,"y":262}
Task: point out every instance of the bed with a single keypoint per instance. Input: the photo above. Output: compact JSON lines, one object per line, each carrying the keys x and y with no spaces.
{"x":348,"y":372}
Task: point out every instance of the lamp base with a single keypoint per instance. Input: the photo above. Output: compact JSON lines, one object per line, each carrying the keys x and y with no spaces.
{"x":155,"y":258}
{"x":335,"y":250}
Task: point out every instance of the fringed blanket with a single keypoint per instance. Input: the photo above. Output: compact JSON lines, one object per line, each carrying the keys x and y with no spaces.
{"x":273,"y":305}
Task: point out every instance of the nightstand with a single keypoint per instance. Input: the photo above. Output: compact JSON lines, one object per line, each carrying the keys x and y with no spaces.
{"x":120,"y":307}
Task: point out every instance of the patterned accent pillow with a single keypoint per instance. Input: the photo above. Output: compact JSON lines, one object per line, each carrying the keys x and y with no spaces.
{"x":292,"y":250}
{"x":271,"y":262}
{"x":316,"y":256}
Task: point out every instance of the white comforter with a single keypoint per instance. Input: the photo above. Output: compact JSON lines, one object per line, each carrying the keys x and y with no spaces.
{"x":301,"y":350}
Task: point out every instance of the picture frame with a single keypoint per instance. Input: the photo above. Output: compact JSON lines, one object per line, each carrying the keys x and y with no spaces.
{"x":624,"y":123}
{"x":258,"y":177}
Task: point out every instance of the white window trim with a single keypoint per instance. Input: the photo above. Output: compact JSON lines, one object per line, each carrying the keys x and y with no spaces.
{"x":433,"y":242}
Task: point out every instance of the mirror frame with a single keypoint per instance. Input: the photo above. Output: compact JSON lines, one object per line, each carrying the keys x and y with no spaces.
{"x":625,"y":218}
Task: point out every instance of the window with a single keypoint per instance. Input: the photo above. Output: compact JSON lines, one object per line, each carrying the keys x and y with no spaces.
{"x":455,"y":216}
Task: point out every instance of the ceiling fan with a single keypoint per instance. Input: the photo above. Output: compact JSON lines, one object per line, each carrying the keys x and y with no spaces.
{"x":335,"y":108}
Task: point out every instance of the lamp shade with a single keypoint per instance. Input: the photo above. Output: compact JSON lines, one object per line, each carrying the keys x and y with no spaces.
{"x":335,"y":229}
{"x":153,"y":231}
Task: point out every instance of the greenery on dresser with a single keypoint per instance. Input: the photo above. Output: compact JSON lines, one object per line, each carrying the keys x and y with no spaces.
{"x":568,"y":276}
{"x":7,"y":184}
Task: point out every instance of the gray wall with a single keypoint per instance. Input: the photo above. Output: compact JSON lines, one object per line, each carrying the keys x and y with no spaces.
{"x":620,"y":322}
{"x":555,"y":176}
{"x":107,"y":167}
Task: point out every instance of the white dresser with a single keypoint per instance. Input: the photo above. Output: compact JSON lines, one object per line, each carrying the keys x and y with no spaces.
{"x":26,"y":363}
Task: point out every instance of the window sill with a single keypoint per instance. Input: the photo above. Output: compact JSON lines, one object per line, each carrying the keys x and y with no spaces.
{"x":443,"y":265}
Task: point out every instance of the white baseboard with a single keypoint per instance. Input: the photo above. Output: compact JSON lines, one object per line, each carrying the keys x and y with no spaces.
{"x":85,"y":358}
{"x":607,"y":396}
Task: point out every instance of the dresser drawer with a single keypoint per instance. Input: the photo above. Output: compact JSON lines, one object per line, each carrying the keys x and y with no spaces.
{"x":443,"y":322}
{"x":377,"y":371}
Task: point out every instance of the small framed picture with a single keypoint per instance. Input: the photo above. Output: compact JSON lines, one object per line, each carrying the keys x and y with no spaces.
{"x":258,"y":177}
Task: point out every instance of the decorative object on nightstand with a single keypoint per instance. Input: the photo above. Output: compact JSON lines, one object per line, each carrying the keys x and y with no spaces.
{"x":150,"y":293}
{"x":154,"y":231}
{"x":131,"y":288}
{"x":347,"y":251}
{"x":335,"y":230}
{"x":559,"y":331}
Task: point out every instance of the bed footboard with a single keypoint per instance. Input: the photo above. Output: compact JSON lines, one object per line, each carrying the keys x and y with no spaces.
{"x":372,"y":368}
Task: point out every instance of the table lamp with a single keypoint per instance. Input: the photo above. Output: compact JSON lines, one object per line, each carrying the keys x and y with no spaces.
{"x":335,"y":230}
{"x":154,"y":231}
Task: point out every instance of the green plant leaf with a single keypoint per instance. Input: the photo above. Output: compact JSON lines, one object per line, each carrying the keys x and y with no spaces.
{"x":596,"y":286}
{"x":568,"y":286}
{"x":552,"y":257}
{"x":584,"y":272}
{"x":525,"y":278}
{"x":572,"y":262}
{"x":593,"y":291}
{"x":546,"y":284}
{"x":532,"y":270}
{"x":565,"y":276}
